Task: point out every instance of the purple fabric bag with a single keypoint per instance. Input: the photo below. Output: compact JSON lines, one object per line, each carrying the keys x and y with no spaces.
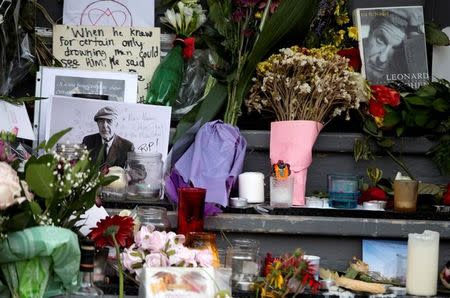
{"x":213,"y":161}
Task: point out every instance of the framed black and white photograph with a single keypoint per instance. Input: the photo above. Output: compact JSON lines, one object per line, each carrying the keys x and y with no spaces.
{"x":121,"y":127}
{"x":392,"y":44}
{"x":113,"y":86}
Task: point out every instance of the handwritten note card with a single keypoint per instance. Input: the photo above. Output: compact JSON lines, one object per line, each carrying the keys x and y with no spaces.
{"x":109,"y":48}
{"x":147,"y":127}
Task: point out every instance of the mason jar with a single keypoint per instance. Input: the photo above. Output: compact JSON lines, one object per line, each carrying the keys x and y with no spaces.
{"x":156,"y":216}
{"x":70,"y":152}
{"x":145,"y":175}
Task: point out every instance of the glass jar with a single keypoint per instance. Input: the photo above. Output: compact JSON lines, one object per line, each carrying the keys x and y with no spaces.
{"x":157,"y":216}
{"x":204,"y":240}
{"x":145,"y":175}
{"x":70,"y":152}
{"x":244,"y":262}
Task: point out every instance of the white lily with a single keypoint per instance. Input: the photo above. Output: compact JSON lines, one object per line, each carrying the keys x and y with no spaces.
{"x":170,"y":18}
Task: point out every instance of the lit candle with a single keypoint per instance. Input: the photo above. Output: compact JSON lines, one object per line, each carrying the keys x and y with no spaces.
{"x":251,"y":187}
{"x":422,"y":268}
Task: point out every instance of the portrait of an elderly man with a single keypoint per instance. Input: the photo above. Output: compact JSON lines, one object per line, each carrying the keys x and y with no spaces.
{"x":395,"y":44}
{"x":115,"y":148}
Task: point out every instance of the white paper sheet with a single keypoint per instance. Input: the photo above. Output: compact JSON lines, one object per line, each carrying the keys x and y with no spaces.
{"x":90,"y":218}
{"x":441,"y":60}
{"x":122,"y":13}
{"x":16,"y":116}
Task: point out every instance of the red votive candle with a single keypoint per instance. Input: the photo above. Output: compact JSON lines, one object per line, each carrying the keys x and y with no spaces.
{"x":191,"y":206}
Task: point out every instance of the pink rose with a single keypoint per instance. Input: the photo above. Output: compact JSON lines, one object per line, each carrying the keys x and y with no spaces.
{"x":155,"y":242}
{"x":131,"y":257}
{"x":142,"y":234}
{"x":182,"y":256}
{"x":10,"y":189}
{"x":204,"y":258}
{"x":156,"y":259}
{"x":175,"y":239}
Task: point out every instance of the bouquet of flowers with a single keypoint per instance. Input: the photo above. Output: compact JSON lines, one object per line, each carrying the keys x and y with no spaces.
{"x":290,"y":274}
{"x":47,"y":198}
{"x":184,"y":18}
{"x":161,"y":249}
{"x":306,"y":84}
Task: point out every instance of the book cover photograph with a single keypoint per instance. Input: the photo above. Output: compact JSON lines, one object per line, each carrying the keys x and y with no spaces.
{"x":392,"y":44}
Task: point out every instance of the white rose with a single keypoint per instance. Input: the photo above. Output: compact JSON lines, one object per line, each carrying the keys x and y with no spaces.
{"x":10,"y":189}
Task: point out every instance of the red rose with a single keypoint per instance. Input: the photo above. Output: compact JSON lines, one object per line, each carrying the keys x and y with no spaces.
{"x":373,"y":193}
{"x":386,"y":95}
{"x":189,"y":47}
{"x":353,"y":55}
{"x":446,"y":197}
{"x":376,"y":108}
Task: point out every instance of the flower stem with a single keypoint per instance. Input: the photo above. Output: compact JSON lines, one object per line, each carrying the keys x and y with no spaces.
{"x":119,"y":265}
{"x":399,"y":163}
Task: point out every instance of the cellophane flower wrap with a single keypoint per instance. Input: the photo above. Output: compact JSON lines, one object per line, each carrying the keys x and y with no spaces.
{"x":184,"y":18}
{"x":307,"y":84}
{"x":153,"y":248}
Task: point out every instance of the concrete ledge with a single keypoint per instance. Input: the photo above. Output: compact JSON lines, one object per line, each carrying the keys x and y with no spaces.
{"x":320,"y":226}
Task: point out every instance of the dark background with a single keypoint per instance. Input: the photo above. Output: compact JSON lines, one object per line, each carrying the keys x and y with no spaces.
{"x":434,"y":10}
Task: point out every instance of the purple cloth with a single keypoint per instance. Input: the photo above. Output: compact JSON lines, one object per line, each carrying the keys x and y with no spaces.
{"x":213,"y":161}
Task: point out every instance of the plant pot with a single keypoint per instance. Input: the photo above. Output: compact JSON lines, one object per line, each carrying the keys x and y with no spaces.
{"x":292,"y":142}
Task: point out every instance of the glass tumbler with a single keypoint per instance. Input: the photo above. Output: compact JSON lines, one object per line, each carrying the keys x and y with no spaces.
{"x":405,"y":195}
{"x":281,"y":191}
{"x":156,"y":216}
{"x":244,"y":261}
{"x":145,"y":175}
{"x":191,"y":206}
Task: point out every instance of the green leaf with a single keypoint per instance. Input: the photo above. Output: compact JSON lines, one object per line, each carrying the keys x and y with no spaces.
{"x":441,"y":105}
{"x":391,"y":119}
{"x":435,"y":36}
{"x":426,"y":91}
{"x":399,"y":130}
{"x":386,"y":143}
{"x":299,"y":15}
{"x":39,"y":177}
{"x":205,"y":110}
{"x":418,"y":101}
{"x":421,"y":118}
{"x":19,"y":222}
{"x":430,"y":189}
{"x":35,"y":208}
{"x":55,"y":138}
{"x":108,"y":180}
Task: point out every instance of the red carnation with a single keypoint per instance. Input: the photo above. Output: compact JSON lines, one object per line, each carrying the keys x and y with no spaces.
{"x":373,"y":194}
{"x":386,"y":95}
{"x":118,"y":227}
{"x":189,"y":47}
{"x":446,"y":197}
{"x":376,"y":108}
{"x":353,"y":55}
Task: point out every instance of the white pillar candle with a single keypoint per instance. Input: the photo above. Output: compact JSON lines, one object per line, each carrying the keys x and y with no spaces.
{"x":251,"y":187}
{"x":422,"y":267}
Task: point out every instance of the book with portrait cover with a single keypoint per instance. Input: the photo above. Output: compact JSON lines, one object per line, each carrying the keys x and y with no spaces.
{"x":392,"y":44}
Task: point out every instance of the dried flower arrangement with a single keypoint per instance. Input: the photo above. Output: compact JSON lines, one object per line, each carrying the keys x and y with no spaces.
{"x":307,"y":84}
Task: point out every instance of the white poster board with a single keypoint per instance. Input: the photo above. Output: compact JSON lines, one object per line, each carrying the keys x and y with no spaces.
{"x":12,"y":116}
{"x":147,"y":127}
{"x":441,"y":60}
{"x":119,"y":86}
{"x":124,"y":49}
{"x":119,"y":13}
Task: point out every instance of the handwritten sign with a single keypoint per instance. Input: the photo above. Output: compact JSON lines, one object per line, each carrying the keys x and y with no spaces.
{"x":146,"y":126}
{"x":109,"y":48}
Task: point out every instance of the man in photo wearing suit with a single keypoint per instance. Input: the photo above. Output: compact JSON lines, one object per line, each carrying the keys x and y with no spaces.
{"x":115,"y":147}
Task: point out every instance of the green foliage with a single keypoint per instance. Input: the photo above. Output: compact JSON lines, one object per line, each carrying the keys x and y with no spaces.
{"x":435,"y":36}
{"x":425,"y":111}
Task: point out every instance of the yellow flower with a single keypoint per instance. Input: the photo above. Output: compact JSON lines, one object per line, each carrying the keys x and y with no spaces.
{"x":258,"y":15}
{"x":379,"y":121}
{"x":342,"y":19}
{"x":339,"y":38}
{"x":353,"y":32}
{"x":280,"y":281}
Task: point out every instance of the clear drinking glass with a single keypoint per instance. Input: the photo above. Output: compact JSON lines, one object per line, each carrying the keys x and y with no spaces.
{"x":244,"y":261}
{"x":156,"y":216}
{"x":145,"y":175}
{"x":281,"y":191}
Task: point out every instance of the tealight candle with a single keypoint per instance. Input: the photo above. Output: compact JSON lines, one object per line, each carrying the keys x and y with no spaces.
{"x":251,"y":187}
{"x":422,"y":268}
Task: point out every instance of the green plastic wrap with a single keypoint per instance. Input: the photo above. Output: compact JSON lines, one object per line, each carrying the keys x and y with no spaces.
{"x":39,"y":262}
{"x":167,"y":79}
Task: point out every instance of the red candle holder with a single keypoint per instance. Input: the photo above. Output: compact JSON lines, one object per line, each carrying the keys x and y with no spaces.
{"x":191,"y":206}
